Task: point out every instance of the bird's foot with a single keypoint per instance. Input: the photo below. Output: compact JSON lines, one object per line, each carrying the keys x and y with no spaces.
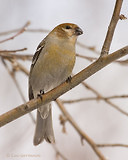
{"x":40,"y":94}
{"x":69,"y":79}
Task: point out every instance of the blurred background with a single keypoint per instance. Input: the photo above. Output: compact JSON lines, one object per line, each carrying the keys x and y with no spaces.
{"x":99,"y":120}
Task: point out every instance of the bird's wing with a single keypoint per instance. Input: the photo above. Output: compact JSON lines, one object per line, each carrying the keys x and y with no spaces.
{"x":31,"y":96}
{"x":34,"y":60}
{"x":38,"y":51}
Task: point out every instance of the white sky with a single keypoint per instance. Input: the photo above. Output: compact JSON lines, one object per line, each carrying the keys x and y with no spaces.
{"x":102,"y":123}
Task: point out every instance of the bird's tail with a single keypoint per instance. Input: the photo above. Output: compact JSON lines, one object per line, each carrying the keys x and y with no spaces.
{"x":44,"y":129}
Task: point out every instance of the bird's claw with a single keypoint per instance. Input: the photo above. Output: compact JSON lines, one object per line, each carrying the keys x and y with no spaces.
{"x":40,"y":94}
{"x":69,"y":79}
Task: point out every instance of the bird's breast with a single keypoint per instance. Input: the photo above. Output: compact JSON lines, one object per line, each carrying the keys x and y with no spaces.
{"x":53,"y":68}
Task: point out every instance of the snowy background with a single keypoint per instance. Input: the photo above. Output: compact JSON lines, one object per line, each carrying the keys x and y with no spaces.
{"x":100,"y":121}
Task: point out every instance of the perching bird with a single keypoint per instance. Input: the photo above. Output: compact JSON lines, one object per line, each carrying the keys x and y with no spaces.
{"x":52,"y":64}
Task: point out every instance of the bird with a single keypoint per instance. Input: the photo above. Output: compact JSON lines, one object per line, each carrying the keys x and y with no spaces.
{"x":52,"y":64}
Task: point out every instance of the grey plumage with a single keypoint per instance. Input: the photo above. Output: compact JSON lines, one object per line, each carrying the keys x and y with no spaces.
{"x":52,"y":64}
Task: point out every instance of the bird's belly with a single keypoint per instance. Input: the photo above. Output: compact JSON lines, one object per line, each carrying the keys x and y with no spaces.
{"x":51,"y":78}
{"x":52,"y":72}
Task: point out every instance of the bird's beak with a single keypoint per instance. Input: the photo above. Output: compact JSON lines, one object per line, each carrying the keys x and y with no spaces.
{"x":78,"y":31}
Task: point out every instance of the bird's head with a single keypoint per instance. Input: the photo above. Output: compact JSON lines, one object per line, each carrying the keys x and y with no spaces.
{"x":67,"y":31}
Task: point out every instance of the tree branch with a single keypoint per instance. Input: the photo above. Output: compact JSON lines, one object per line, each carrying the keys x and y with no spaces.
{"x":27,"y":30}
{"x":17,"y":34}
{"x":122,"y":62}
{"x":13,"y":51}
{"x":82,"y":134}
{"x":94,"y":98}
{"x":58,"y":153}
{"x":16,"y":56}
{"x":63,"y":88}
{"x":112,"y":145}
{"x":105,"y":100}
{"x":111,"y":28}
{"x":7,"y":54}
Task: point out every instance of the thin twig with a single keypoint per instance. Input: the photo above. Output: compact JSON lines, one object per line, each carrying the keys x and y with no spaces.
{"x":91,"y":89}
{"x":112,"y":145}
{"x":82,"y":134}
{"x":16,"y":56}
{"x":94,"y":98}
{"x":106,"y":100}
{"x":17,"y":34}
{"x":123,"y":17}
{"x":12,"y":74}
{"x":86,"y":57}
{"x":12,"y":54}
{"x":13,"y":51}
{"x":18,"y":66}
{"x":122,"y":62}
{"x":111,"y":28}
{"x":22,"y":68}
{"x":92,"y":48}
{"x":58,"y":153}
{"x":27,"y":30}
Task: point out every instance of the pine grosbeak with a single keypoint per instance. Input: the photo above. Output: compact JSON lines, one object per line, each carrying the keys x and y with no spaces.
{"x":52,"y":64}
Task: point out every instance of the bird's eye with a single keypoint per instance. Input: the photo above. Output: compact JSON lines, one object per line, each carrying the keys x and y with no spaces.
{"x":68,"y":27}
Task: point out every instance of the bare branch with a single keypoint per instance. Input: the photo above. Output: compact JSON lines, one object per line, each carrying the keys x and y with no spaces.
{"x":82,"y":134}
{"x":121,"y":62}
{"x":112,"y":145}
{"x":63,"y":120}
{"x":61,"y":89}
{"x":12,"y":54}
{"x":22,"y":68}
{"x":106,"y":100}
{"x":13,"y":51}
{"x":94,"y":98}
{"x":111,"y":28}
{"x":17,"y":34}
{"x":17,"y":66}
{"x":27,"y":30}
{"x":58,"y":153}
{"x":86,"y":57}
{"x":92,"y":48}
{"x":16,"y":56}
{"x":17,"y":86}
{"x":122,"y":17}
